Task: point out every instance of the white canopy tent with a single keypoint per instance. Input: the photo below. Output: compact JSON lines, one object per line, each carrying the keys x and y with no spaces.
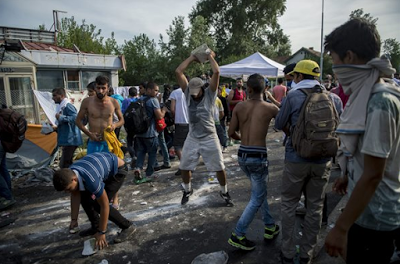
{"x":256,"y":63}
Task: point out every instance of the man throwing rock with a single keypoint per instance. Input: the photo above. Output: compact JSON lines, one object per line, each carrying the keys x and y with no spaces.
{"x":202,"y":138}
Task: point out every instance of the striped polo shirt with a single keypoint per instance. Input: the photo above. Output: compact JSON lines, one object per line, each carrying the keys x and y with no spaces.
{"x":93,"y":169}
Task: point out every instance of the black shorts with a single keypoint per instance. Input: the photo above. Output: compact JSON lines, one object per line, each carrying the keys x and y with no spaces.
{"x":181,"y":132}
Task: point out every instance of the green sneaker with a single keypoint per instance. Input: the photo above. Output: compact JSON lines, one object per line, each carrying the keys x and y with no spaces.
{"x":241,"y":242}
{"x":142,"y":180}
{"x":271,"y":232}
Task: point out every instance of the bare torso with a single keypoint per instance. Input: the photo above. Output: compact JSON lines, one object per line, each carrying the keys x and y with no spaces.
{"x":99,"y":112}
{"x":253,"y":118}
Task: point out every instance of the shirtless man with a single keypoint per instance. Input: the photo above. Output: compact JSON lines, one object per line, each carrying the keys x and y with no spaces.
{"x":99,"y":109}
{"x":252,"y":118}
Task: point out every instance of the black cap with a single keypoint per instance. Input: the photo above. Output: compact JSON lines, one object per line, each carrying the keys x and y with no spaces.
{"x":289,"y":68}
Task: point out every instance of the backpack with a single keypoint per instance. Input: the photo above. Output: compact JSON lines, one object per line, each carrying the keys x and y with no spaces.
{"x":13,"y":126}
{"x":314,"y":134}
{"x":136,"y":119}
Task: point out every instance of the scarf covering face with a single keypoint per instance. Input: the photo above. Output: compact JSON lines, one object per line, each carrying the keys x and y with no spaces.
{"x":357,"y":81}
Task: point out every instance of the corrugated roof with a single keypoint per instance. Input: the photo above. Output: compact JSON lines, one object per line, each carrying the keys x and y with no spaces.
{"x":45,"y":46}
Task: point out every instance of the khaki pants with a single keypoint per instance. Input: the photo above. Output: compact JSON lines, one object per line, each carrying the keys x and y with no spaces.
{"x":313,"y":179}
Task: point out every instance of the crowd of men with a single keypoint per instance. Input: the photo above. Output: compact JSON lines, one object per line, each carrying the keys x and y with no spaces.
{"x":203,"y":118}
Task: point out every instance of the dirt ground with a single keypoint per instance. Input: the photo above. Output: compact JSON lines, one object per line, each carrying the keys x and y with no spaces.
{"x":166,"y":231}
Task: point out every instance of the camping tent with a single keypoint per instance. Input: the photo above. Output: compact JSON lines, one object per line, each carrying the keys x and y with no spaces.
{"x":256,"y":63}
{"x":37,"y":151}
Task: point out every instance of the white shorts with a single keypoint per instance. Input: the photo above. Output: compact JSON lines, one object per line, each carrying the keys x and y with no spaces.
{"x":209,"y":148}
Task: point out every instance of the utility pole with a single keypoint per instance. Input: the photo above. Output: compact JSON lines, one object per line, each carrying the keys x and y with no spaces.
{"x":56,"y":23}
{"x":321,"y":64}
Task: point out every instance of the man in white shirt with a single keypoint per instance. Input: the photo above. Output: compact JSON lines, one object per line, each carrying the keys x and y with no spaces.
{"x":180,"y":113}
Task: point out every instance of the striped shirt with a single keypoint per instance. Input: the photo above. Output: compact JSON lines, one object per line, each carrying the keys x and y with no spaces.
{"x":93,"y":169}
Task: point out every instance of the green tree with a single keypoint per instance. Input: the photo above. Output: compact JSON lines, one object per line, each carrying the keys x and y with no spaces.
{"x":391,"y":47}
{"x":199,"y":34}
{"x":175,"y":50}
{"x":42,"y":27}
{"x":86,"y":37}
{"x":359,"y":13}
{"x":142,"y":59}
{"x":244,"y":27}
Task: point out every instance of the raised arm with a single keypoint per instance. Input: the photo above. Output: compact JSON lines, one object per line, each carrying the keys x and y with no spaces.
{"x":179,"y":72}
{"x":215,"y":68}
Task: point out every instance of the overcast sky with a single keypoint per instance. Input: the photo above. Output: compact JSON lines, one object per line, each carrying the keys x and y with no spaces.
{"x":127,"y":18}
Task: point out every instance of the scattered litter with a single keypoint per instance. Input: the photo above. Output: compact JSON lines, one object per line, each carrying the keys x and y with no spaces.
{"x":219,"y":257}
{"x":143,"y":203}
{"x":301,"y":233}
{"x":277,"y":140}
{"x":5,"y":214}
{"x":46,"y":248}
{"x":151,"y":207}
{"x":233,"y":156}
{"x":135,"y":192}
{"x":155,"y":241}
{"x":238,"y":169}
{"x":277,"y":199}
{"x":194,"y":229}
{"x":212,"y":178}
{"x":331,"y":226}
{"x":89,"y":247}
{"x":104,"y":261}
{"x":124,"y":257}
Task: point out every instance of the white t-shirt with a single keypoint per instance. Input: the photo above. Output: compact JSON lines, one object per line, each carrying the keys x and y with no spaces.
{"x":181,"y":112}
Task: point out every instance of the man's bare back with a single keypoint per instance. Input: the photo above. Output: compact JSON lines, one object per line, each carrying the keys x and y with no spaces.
{"x":252,"y":118}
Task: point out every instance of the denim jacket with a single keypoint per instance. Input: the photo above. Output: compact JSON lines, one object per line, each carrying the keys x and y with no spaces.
{"x":68,"y":134}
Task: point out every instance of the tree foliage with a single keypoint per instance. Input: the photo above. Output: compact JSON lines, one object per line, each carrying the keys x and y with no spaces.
{"x":85,"y":36}
{"x":142,"y":59}
{"x":244,"y":27}
{"x":391,"y":47}
{"x":359,"y":13}
{"x":234,"y":29}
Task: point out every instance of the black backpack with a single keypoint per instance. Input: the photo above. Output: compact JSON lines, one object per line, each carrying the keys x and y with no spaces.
{"x":136,"y":119}
{"x":13,"y":126}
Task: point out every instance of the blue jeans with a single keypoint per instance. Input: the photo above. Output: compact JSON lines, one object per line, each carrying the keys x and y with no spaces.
{"x":5,"y":179}
{"x":256,"y":168}
{"x":149,"y":146}
{"x":132,"y":145}
{"x":164,"y":149}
